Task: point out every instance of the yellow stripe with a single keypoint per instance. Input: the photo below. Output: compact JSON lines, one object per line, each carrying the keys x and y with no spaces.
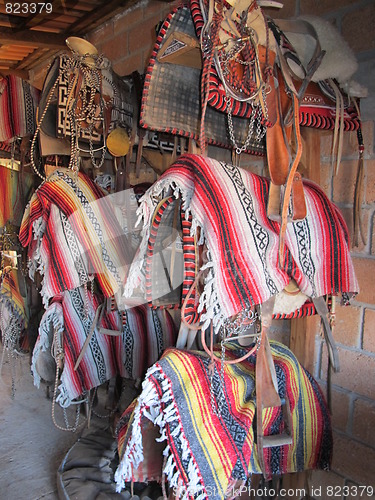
{"x":202,"y":420}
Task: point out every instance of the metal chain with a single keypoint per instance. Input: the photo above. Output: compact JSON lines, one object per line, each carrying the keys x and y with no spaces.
{"x":239,"y":149}
{"x":92,"y":80}
{"x":260,"y":130}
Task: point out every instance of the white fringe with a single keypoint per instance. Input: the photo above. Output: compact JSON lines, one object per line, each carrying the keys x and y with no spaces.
{"x":133,"y":454}
{"x":209,"y":299}
{"x":149,"y":406}
{"x":148,"y":203}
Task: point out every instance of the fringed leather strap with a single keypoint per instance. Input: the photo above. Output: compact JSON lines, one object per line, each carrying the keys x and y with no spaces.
{"x":338,"y":133}
{"x":358,"y":193}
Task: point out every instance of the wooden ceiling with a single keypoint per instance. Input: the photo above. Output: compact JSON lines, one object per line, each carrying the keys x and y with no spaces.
{"x":31,"y":32}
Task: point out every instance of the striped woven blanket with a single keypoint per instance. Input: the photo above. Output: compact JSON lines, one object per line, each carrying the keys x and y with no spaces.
{"x":146,"y":333}
{"x":11,"y":202}
{"x":13,"y":311}
{"x":18,"y":103}
{"x":73,"y":234}
{"x":11,"y":297}
{"x":229,"y":206}
{"x":201,"y":450}
{"x":67,"y":323}
{"x":143,"y":336}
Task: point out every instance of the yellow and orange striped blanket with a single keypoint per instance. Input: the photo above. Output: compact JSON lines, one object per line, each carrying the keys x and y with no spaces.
{"x":205,"y":432}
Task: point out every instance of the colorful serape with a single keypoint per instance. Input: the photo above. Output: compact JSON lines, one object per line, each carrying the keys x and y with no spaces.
{"x":143,"y":337}
{"x":70,"y":316}
{"x":73,"y":234}
{"x":207,"y":449}
{"x":18,"y":103}
{"x":161,"y":333}
{"x":10,"y":295}
{"x":11,"y":204}
{"x":146,"y":333}
{"x":229,"y":206}
{"x":130,"y":348}
{"x":13,"y":313}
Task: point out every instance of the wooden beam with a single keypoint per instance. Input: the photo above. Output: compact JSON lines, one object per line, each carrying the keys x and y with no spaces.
{"x":35,"y":57}
{"x":15,"y":72}
{"x":43,"y":59}
{"x":12,"y":22}
{"x":34,"y":38}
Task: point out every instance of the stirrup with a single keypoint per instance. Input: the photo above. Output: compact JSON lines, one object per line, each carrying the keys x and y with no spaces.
{"x":266,"y":388}
{"x":285,"y":437}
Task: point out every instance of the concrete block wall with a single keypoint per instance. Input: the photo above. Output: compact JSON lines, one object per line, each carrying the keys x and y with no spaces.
{"x":128,"y":41}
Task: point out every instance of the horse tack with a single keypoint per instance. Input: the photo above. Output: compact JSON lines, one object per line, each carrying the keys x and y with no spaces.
{"x":82,"y":102}
{"x":234,"y":35}
{"x":232,"y":76}
{"x":232,"y":38}
{"x":178,"y":111}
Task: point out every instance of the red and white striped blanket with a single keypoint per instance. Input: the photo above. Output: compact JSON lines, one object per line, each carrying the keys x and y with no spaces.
{"x":18,"y":103}
{"x":144,"y":334}
{"x":73,"y":234}
{"x":229,"y":206}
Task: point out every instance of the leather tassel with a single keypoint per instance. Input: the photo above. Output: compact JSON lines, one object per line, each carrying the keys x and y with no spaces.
{"x":358,"y":193}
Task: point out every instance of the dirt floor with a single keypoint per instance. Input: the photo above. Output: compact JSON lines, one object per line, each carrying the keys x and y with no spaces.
{"x":32,"y":448}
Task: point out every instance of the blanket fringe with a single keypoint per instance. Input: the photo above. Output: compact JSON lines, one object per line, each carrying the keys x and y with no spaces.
{"x":161,"y":412}
{"x":209,"y":299}
{"x":148,"y":203}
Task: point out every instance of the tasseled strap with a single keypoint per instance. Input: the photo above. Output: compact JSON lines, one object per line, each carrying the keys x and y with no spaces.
{"x":358,"y":194}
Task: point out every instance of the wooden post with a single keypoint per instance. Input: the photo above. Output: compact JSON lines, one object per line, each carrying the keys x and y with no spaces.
{"x":303,"y":330}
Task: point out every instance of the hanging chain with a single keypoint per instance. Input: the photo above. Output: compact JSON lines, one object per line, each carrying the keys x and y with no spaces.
{"x":87,"y":112}
{"x":260,"y":129}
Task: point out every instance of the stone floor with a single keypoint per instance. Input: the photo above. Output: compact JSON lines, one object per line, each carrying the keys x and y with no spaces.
{"x":32,"y":448}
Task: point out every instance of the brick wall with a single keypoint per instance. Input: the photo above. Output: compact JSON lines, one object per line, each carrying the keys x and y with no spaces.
{"x":128,"y":40}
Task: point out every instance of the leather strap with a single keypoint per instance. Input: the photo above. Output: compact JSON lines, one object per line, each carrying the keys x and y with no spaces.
{"x":289,"y":183}
{"x":298,"y":198}
{"x":338,"y":133}
{"x":358,"y":194}
{"x":226,"y":361}
{"x":266,"y":387}
{"x":303,"y":28}
{"x":322,"y":309}
{"x":89,"y":336}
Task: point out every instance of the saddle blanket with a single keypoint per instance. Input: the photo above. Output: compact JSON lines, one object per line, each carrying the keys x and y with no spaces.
{"x":204,"y":433}
{"x":229,"y":206}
